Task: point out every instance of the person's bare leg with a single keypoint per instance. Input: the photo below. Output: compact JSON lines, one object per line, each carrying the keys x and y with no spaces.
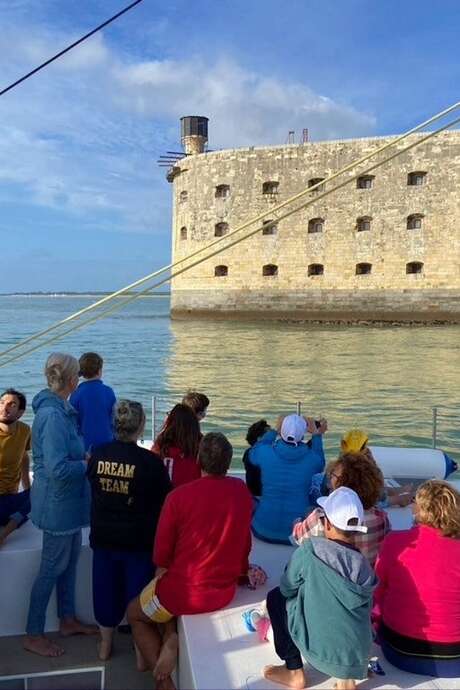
{"x":146,"y":635}
{"x":345,"y":684}
{"x":280,"y":674}
{"x":5,"y":531}
{"x":39,"y":644}
{"x":141,"y":663}
{"x":168,"y":654}
{"x":104,"y":647}
{"x":165,"y":684}
{"x":72,"y":626}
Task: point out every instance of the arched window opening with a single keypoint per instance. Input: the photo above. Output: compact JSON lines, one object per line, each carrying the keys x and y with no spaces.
{"x":222,"y":191}
{"x":315,"y":225}
{"x":316,"y":180}
{"x":414,"y":221}
{"x":270,"y":187}
{"x":363,"y":269}
{"x":183,"y":233}
{"x":414,"y":267}
{"x":220,"y":229}
{"x":363,"y":223}
{"x":269,"y":229}
{"x":183,"y":196}
{"x":365,"y":182}
{"x":416,"y":178}
{"x":316,"y":270}
{"x":221,"y":271}
{"x":270,"y":270}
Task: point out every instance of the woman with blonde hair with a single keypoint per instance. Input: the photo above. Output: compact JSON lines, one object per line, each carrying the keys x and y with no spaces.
{"x":60,"y":503}
{"x":417,"y":601}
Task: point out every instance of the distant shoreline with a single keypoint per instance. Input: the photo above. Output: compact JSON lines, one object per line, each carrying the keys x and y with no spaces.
{"x":76,"y":294}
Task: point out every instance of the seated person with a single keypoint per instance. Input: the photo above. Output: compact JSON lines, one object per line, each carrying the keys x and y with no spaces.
{"x":321,"y":610}
{"x":253,"y":478}
{"x":358,"y":472}
{"x":201,"y":550}
{"x":287,"y":466}
{"x":177,"y":445}
{"x":417,"y":601}
{"x":14,"y":463}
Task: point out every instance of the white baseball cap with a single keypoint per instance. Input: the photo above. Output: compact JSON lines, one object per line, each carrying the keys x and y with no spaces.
{"x":293,"y":428}
{"x":341,"y":506}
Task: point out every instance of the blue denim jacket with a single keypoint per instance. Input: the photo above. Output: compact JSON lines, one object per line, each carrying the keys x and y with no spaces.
{"x":60,"y":491}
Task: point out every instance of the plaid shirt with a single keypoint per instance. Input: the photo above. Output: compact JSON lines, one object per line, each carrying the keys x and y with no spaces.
{"x":375,"y":519}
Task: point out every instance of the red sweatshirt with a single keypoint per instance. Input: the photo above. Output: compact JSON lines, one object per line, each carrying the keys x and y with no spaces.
{"x":419,"y":584}
{"x":203,"y":538}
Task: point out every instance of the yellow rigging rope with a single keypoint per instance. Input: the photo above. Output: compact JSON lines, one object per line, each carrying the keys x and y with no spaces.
{"x":121,"y":304}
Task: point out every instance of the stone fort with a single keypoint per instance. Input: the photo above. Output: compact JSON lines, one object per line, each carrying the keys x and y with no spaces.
{"x":385,"y":247}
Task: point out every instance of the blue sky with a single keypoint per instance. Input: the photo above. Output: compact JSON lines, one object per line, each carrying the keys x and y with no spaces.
{"x":84,"y":205}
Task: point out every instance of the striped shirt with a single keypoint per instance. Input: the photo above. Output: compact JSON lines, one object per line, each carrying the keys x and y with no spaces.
{"x":375,"y":519}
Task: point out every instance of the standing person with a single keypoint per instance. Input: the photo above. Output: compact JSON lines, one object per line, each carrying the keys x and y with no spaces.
{"x":177,"y":445}
{"x":287,"y":466}
{"x":321,"y":610}
{"x":417,"y":601}
{"x":14,"y":463}
{"x":94,"y":402}
{"x":60,"y":503}
{"x":128,"y":490}
{"x":201,"y":549}
{"x":198,"y":402}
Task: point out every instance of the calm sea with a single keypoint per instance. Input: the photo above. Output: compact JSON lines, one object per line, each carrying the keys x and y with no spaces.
{"x":385,"y":380}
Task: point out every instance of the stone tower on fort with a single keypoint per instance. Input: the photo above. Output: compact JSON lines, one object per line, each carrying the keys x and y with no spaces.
{"x":386,"y":247}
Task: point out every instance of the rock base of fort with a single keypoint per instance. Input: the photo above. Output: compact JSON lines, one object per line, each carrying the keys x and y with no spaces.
{"x":333,"y":306}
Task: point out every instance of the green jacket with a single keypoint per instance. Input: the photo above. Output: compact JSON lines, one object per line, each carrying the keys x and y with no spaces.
{"x":329,"y":590}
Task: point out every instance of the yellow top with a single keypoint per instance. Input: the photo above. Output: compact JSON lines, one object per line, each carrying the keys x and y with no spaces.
{"x":354,"y":441}
{"x":12,"y":448}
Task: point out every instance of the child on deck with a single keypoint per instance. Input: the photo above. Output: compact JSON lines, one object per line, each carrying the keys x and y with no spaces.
{"x":94,"y":402}
{"x":177,"y":445}
{"x":322,"y":607}
{"x":360,"y":473}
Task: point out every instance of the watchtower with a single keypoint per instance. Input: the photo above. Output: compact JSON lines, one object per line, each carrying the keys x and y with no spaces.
{"x":194,"y":133}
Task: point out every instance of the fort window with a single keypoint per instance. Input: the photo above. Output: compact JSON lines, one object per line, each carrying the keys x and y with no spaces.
{"x":363,"y":269}
{"x":269,"y":229}
{"x":414,"y":221}
{"x":365,"y":182}
{"x":270,"y":270}
{"x":315,"y":270}
{"x":220,"y":229}
{"x":221,"y":271}
{"x":222,"y":191}
{"x":183,"y":197}
{"x":363,"y":223}
{"x":315,"y":225}
{"x":183,"y":233}
{"x":414,"y":267}
{"x":270,"y":187}
{"x":416,"y":179}
{"x":316,"y":180}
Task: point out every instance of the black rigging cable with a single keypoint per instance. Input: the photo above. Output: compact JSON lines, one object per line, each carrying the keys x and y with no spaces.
{"x":72,"y":45}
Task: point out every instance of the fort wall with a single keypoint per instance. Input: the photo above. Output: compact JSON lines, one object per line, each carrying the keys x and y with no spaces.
{"x":387,"y":248}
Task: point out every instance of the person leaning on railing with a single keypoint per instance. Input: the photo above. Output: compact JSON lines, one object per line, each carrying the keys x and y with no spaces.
{"x":417,"y":601}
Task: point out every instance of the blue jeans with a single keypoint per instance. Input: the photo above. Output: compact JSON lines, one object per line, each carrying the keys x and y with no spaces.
{"x":118,"y":577}
{"x":14,"y":507}
{"x":58,"y":567}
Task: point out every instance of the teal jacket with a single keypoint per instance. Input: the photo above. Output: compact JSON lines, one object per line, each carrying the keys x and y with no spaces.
{"x":329,"y":589}
{"x":60,"y":490}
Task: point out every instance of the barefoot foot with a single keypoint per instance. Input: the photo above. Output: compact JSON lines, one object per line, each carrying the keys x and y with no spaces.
{"x":165,"y":684}
{"x":72,"y":626}
{"x":345,"y":685}
{"x":141,"y":663}
{"x":39,"y":644}
{"x":280,"y":674}
{"x":104,"y":650}
{"x":167,"y":659}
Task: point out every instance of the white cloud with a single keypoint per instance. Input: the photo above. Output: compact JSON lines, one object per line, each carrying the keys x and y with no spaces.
{"x":83,"y":135}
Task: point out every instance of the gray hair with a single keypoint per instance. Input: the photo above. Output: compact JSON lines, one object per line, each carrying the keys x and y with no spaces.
{"x":128,"y":419}
{"x":60,"y":369}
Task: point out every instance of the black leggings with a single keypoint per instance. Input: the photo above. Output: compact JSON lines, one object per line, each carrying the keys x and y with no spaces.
{"x":284,"y":644}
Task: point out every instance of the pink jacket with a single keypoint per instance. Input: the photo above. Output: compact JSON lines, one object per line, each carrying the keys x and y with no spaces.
{"x":419,"y":584}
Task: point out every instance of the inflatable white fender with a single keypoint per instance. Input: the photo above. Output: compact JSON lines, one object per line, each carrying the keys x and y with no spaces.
{"x":418,"y":463}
